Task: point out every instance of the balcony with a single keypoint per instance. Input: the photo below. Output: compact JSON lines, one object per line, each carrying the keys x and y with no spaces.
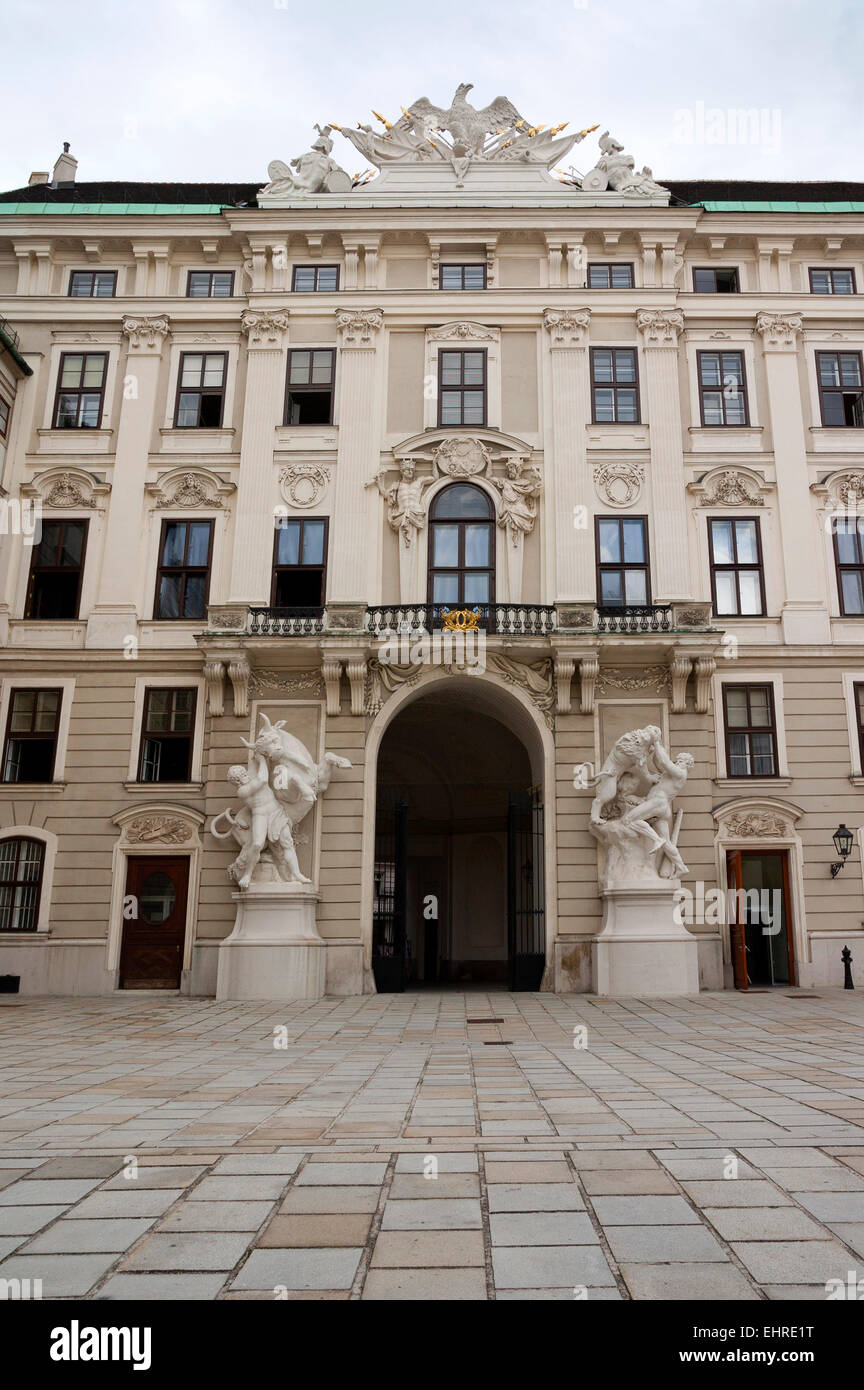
{"x":653,"y":617}
{"x":285,"y":622}
{"x":495,"y":619}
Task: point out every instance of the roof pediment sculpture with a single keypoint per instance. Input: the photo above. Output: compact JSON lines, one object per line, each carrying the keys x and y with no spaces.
{"x":616,"y":171}
{"x":313,"y":172}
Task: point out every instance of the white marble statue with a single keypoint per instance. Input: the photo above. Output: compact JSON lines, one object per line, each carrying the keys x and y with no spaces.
{"x":277,"y":788}
{"x":631,"y":815}
{"x":314,"y":172}
{"x":519,"y":492}
{"x":616,"y":170}
{"x":406,"y":509}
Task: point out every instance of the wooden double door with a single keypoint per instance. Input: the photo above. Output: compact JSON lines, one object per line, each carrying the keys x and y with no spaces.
{"x":154,"y":922}
{"x":760,"y":918}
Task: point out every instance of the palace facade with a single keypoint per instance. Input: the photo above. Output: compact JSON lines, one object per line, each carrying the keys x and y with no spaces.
{"x":612,"y":436}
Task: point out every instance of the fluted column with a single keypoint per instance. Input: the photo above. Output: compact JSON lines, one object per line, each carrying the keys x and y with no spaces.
{"x":572,"y":494}
{"x":805,"y":611}
{"x":356,"y":522}
{"x":113,"y":617}
{"x":670,"y":568}
{"x":267,"y":335}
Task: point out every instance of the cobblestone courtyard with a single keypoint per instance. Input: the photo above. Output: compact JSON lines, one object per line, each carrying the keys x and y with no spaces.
{"x":283,"y":1150}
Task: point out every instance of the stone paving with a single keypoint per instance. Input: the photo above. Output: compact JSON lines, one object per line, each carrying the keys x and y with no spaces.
{"x":434,"y":1145}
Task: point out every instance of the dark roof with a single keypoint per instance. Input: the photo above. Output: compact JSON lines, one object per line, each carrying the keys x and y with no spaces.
{"x":686,"y":191}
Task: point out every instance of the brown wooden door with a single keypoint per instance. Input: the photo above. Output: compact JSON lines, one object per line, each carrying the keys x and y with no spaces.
{"x":737,"y":938}
{"x":154,"y":926}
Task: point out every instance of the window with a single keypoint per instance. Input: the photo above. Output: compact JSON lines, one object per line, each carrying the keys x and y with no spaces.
{"x":462,"y":277}
{"x":184,"y":569}
{"x":167,"y":730}
{"x":751,"y":734}
{"x":201,"y":390}
{"x":462,"y":388}
{"x":5,"y":412}
{"x":623,"y":578}
{"x":307,"y":279}
{"x":712,"y":281}
{"x":840,"y":389}
{"x":80,"y":390}
{"x":21,"y":864}
{"x":737,"y":585}
{"x":832,"y":281}
{"x":31,"y":735}
{"x":309,"y":399}
{"x":461,"y":547}
{"x":722,"y":389}
{"x":849,"y":561}
{"x":210,"y":284}
{"x":56,"y":569}
{"x":614,"y":385}
{"x":299,"y":562}
{"x":93,"y":284}
{"x":604,"y":275}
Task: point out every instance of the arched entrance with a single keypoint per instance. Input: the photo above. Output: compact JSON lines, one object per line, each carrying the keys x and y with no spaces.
{"x":459,"y":872}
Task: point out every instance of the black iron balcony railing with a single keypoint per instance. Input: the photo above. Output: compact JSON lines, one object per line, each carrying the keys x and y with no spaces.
{"x":285,"y":622}
{"x":495,"y":619}
{"x":9,"y":332}
{"x":652,"y":617}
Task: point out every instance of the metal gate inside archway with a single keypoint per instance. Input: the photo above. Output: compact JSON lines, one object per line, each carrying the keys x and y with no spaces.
{"x":459,"y":882}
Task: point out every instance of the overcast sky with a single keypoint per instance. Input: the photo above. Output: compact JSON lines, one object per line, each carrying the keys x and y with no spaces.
{"x":214,"y":89}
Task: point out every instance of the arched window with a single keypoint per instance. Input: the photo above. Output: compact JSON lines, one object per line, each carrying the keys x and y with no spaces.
{"x":21,"y":863}
{"x":461,"y":547}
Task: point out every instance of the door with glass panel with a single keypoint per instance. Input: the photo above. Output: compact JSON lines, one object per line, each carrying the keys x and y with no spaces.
{"x":154,"y":922}
{"x":737,"y":585}
{"x":461,"y":548}
{"x":623,"y":576}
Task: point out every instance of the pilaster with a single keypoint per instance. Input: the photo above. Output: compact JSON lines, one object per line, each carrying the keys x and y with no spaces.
{"x":660,"y":329}
{"x":355,"y":516}
{"x":568,"y":332}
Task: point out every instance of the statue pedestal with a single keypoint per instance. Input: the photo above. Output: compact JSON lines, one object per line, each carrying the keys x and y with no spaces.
{"x":274,"y":951}
{"x":642,"y":952}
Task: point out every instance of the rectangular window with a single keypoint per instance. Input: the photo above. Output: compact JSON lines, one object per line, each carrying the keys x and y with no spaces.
{"x":80,"y":390}
{"x":751,"y":733}
{"x":840,"y":389}
{"x":183,"y":580}
{"x":710,"y":281}
{"x":832,"y":281}
{"x":623,"y":575}
{"x":614,"y":386}
{"x":849,"y":562}
{"x":311,"y":279}
{"x":462,"y":277}
{"x":309,"y":397}
{"x":31,"y":735}
{"x":167,"y":732}
{"x":93,"y":284}
{"x":722,"y":388}
{"x":737,"y":585}
{"x":56,"y":569}
{"x":462,"y":388}
{"x":201,"y":390}
{"x":21,"y":864}
{"x":299,"y":562}
{"x":858,"y":696}
{"x":5,"y":412}
{"x":210,"y":284}
{"x":608,"y":275}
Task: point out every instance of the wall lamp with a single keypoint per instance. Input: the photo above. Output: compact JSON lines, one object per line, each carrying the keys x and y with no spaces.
{"x":842,"y":838}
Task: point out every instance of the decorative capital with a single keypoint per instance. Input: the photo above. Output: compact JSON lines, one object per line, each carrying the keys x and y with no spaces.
{"x":779,"y":331}
{"x":264,"y":327}
{"x":358,"y":328}
{"x":567,"y":328}
{"x":145,"y":334}
{"x":660,"y":327}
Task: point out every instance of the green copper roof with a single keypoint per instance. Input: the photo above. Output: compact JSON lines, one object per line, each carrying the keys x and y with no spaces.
{"x":105,"y":209}
{"x":780,"y":207}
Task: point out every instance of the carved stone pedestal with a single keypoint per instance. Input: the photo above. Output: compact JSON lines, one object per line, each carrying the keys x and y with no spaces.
{"x":641,"y":950}
{"x":274,"y":951}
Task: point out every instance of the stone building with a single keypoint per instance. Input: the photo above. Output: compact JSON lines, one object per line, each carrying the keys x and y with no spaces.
{"x":281,"y":451}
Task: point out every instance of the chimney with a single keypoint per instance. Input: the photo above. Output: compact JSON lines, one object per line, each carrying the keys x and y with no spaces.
{"x":65,"y":168}
{"x":36,"y":177}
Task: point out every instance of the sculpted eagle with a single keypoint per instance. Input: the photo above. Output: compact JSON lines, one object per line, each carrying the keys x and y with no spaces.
{"x":468,"y":126}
